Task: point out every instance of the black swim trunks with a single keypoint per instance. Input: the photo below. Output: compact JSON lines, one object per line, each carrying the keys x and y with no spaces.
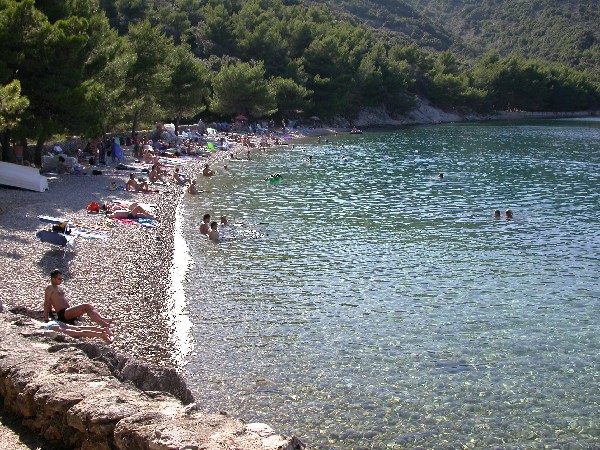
{"x":60,"y":315}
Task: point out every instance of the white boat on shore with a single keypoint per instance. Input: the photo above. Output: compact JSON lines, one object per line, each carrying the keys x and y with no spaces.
{"x":23,"y":177}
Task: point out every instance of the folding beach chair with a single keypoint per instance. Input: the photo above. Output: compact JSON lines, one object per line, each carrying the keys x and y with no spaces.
{"x":64,"y":241}
{"x":60,"y":240}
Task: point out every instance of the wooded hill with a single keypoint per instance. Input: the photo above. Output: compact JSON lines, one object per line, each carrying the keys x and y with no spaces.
{"x":565,"y":31}
{"x":86,"y":67}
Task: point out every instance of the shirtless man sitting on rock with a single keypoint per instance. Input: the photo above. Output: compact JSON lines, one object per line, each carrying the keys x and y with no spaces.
{"x":55,"y":298}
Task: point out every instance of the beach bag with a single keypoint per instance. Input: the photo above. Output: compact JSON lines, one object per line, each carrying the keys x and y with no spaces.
{"x":93,"y":207}
{"x":62,"y":227}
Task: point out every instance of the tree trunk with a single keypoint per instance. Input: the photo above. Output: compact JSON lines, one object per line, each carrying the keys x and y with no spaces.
{"x":5,"y":142}
{"x":37,"y":157}
{"x":136,"y":116}
{"x":23,"y":141}
{"x":177,"y":125}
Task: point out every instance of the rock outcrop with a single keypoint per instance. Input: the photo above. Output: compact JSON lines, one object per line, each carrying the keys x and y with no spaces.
{"x":425,"y":113}
{"x":83,"y":396}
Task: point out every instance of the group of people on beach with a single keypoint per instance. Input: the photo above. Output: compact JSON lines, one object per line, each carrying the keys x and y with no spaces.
{"x":58,"y":313}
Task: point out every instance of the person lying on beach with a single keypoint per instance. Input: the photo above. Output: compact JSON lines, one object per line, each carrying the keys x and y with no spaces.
{"x":133,"y":211}
{"x":213,"y":234}
{"x":54,"y":298}
{"x":133,"y":185}
{"x":207,"y":172}
{"x":205,"y":225}
{"x":80,"y":330}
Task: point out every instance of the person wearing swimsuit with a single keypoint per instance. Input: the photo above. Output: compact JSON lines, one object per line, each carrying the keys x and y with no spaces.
{"x":54,"y":298}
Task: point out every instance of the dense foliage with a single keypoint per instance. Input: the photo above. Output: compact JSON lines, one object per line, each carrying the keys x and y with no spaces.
{"x":88,"y":66}
{"x":564,"y":31}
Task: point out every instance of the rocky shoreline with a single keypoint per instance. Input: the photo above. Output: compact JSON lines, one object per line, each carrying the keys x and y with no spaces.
{"x":77,"y":394}
{"x":126,"y":276}
{"x":426,"y":114}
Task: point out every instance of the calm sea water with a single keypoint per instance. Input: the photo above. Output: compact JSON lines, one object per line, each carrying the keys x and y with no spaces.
{"x":360,"y":302}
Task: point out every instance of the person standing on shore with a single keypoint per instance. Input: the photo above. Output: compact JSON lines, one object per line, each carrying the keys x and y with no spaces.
{"x":55,"y":298}
{"x":101,"y":152}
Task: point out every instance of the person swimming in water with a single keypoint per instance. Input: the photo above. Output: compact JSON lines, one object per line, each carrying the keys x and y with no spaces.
{"x":205,"y":225}
{"x":213,"y":234}
{"x":193,"y":189}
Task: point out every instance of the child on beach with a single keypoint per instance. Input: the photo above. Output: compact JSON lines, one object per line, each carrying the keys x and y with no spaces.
{"x":155,"y":174}
{"x":179,"y":178}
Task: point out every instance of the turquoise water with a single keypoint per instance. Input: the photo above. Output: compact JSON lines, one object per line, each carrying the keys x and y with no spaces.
{"x":363,"y":303}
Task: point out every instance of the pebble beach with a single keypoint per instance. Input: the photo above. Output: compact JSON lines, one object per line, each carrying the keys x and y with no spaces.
{"x":125,"y":275}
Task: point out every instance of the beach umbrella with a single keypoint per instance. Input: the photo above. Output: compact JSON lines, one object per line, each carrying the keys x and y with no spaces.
{"x":315,"y":117}
{"x":241,"y":118}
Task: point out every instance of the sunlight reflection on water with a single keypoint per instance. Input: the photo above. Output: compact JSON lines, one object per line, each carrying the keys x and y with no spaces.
{"x":380,"y":307}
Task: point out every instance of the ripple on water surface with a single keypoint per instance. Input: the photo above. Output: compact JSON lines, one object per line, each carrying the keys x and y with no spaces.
{"x":380,"y":307}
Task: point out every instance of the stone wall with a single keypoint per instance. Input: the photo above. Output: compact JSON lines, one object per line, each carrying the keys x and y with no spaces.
{"x":81,"y":395}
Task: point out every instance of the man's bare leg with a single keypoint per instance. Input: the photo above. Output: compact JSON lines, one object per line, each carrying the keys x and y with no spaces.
{"x":79,"y":310}
{"x":87,"y":333}
{"x":97,"y":329}
{"x":84,"y":331}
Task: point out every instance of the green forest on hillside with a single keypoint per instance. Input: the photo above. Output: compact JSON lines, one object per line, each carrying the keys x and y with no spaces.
{"x":563,"y":31}
{"x":86,"y":67}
